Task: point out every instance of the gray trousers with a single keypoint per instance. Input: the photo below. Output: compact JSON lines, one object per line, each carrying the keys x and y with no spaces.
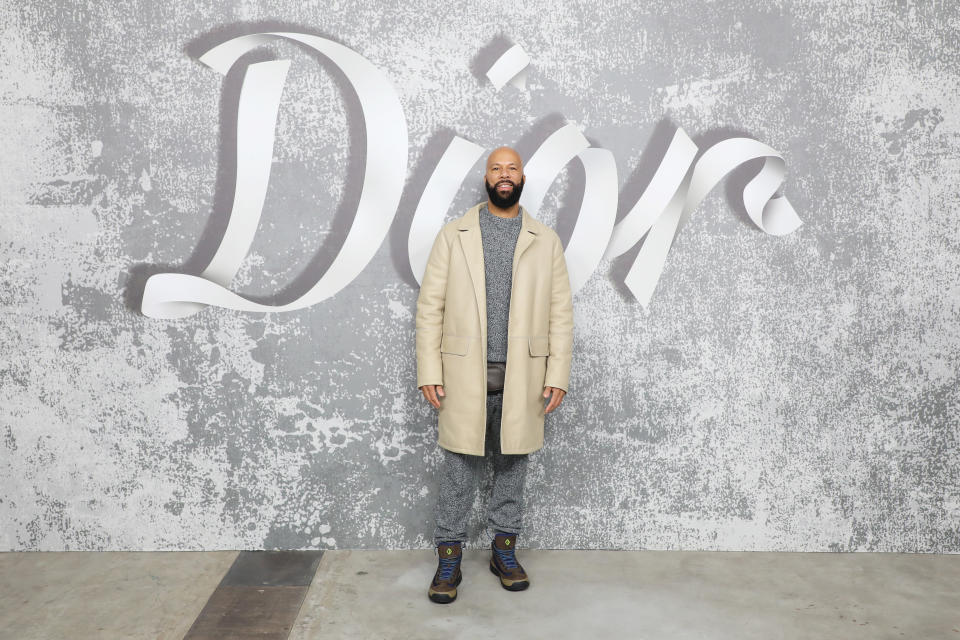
{"x":459,"y":474}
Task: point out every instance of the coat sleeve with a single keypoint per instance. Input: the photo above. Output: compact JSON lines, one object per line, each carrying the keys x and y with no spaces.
{"x":561,"y":322}
{"x":430,"y":304}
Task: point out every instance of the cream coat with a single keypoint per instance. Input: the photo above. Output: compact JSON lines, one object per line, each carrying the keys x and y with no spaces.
{"x":452,"y":333}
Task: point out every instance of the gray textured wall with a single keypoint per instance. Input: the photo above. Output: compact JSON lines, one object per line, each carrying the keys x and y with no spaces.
{"x":779,"y":393}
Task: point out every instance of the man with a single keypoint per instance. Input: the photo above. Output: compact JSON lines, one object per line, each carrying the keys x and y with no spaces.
{"x":494,"y":338}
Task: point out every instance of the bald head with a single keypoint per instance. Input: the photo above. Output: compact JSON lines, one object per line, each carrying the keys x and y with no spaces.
{"x":504,"y":155}
{"x":504,"y":181}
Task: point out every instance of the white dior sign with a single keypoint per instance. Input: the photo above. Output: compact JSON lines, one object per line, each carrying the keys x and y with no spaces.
{"x":677,"y":188}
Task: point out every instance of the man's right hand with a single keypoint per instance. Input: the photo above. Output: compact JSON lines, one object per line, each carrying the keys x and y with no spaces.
{"x":430,"y":392}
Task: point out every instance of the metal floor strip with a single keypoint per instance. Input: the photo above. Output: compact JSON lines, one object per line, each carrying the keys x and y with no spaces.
{"x":259,"y":597}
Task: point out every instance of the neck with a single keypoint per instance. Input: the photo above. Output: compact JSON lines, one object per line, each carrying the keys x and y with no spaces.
{"x":511,"y":212}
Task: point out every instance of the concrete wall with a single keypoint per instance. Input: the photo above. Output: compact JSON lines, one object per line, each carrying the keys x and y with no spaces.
{"x":778,"y":393}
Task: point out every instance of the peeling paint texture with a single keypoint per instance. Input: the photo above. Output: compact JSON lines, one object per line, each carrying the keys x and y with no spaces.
{"x":794,"y":393}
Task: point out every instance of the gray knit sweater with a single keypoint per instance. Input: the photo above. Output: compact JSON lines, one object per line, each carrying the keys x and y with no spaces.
{"x":499,"y":236}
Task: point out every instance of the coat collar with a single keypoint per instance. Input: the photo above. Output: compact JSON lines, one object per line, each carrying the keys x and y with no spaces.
{"x":471,"y":219}
{"x":472,"y":245}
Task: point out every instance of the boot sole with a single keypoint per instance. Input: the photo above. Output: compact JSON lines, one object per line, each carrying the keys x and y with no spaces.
{"x":445,"y":598}
{"x":515,"y":585}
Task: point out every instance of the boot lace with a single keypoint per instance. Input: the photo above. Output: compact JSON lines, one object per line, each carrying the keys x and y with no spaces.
{"x":508,"y":558}
{"x":447,"y":567}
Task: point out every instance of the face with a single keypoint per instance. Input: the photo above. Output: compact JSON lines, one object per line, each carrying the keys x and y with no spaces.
{"x":504,"y":178}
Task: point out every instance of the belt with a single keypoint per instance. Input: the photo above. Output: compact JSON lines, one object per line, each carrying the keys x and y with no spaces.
{"x":496,"y":371}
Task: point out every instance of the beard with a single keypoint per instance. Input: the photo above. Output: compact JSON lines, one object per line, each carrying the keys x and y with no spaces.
{"x":507,"y":201}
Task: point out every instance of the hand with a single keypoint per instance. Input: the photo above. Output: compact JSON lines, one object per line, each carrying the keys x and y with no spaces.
{"x":430,"y":392}
{"x":555,"y":399}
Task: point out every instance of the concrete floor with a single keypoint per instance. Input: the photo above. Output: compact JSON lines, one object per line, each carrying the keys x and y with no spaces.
{"x":573,"y":594}
{"x":80,"y":595}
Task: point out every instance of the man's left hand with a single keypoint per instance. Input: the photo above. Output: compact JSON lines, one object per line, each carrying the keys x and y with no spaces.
{"x":556,"y":397}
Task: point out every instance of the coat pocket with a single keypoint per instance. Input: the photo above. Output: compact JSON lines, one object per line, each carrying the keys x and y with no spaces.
{"x":539,"y":345}
{"x":457,"y":345}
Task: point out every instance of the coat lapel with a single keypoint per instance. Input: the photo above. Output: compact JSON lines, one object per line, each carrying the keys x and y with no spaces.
{"x":527,"y":235}
{"x":472,"y":245}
